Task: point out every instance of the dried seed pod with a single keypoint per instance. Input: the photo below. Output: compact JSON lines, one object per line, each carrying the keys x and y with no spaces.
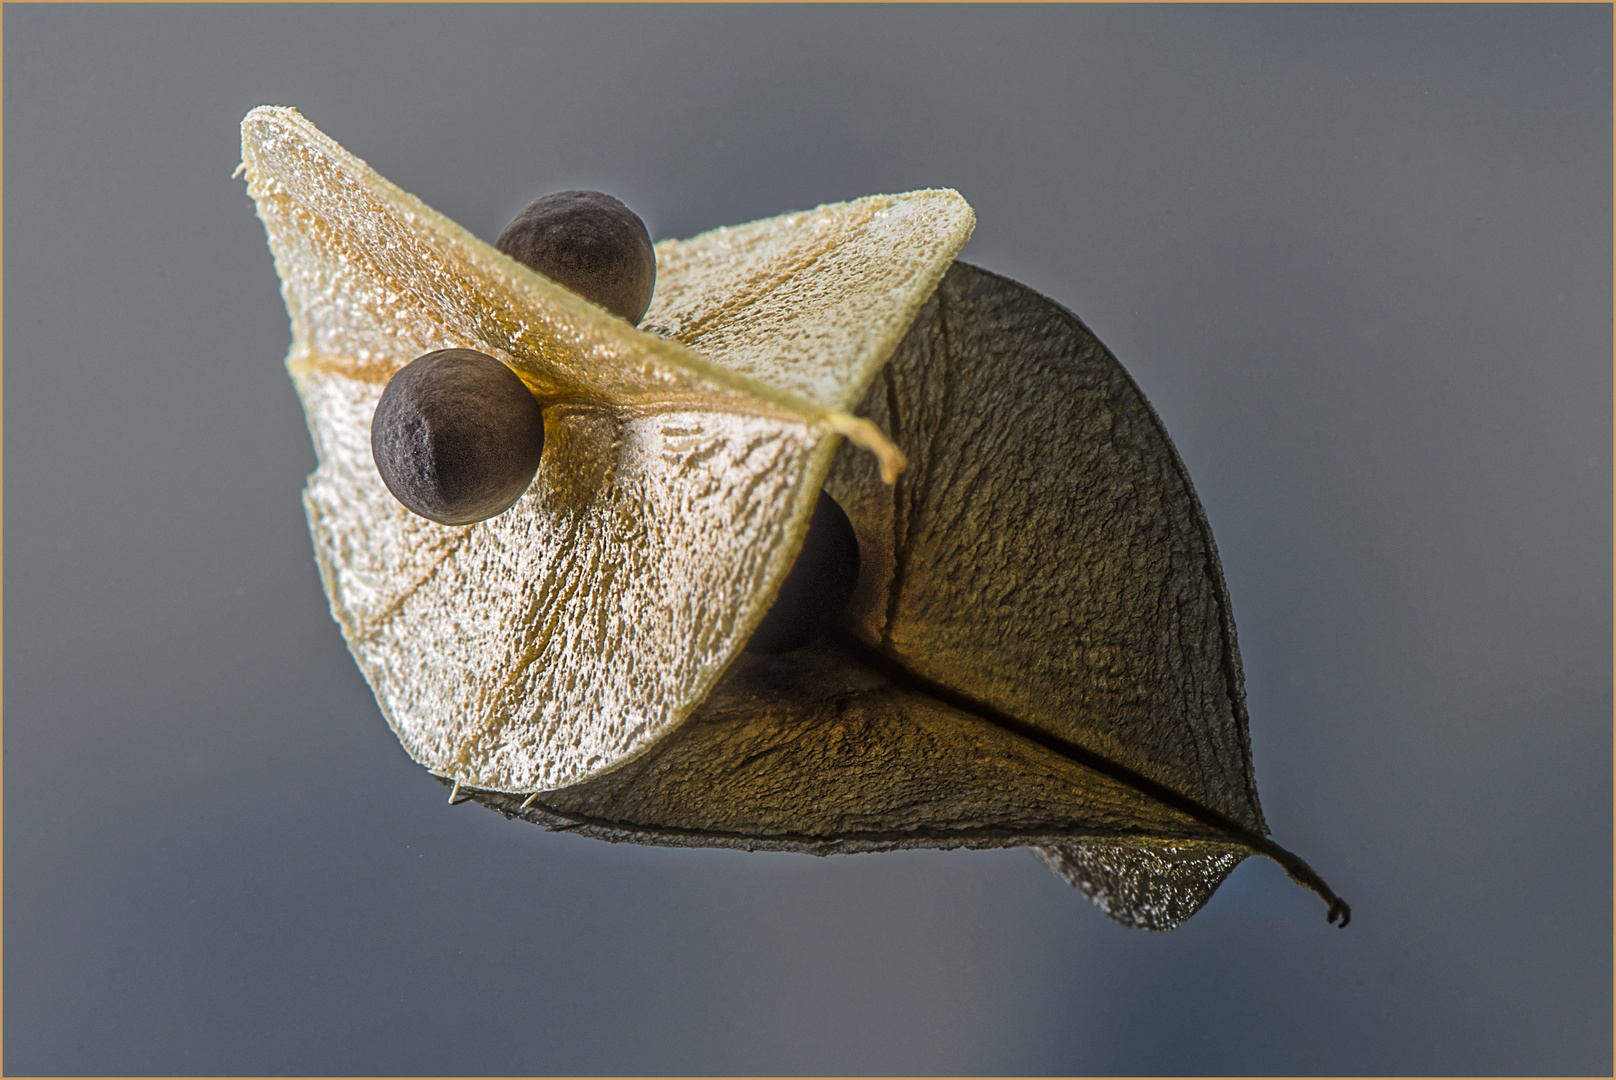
{"x":590,"y":243}
{"x":457,"y":436}
{"x":1039,"y":652}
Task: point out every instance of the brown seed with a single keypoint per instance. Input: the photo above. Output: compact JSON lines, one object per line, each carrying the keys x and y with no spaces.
{"x":457,"y":436}
{"x":818,"y":587}
{"x":589,"y":243}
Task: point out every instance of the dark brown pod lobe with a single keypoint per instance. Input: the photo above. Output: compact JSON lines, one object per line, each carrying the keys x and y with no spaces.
{"x":591,"y":244}
{"x":818,"y":587}
{"x":457,"y":436}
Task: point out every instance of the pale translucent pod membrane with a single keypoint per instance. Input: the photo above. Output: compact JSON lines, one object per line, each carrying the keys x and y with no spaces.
{"x":566,"y":635}
{"x":1146,"y":886}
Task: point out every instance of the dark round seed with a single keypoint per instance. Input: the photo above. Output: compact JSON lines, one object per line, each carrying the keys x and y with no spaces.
{"x":589,"y":243}
{"x":457,"y":436}
{"x":818,"y":587}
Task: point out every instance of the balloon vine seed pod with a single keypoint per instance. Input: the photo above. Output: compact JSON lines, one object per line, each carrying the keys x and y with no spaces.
{"x":1037,"y":649}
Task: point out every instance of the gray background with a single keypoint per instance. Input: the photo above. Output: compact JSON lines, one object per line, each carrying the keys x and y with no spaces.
{"x":1360,"y":261}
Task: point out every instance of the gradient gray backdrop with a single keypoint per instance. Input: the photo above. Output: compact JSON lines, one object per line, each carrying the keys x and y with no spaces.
{"x":1359,"y":259}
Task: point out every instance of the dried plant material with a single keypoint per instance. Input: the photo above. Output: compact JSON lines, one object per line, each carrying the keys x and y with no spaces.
{"x":549,"y":644}
{"x":1039,"y":653}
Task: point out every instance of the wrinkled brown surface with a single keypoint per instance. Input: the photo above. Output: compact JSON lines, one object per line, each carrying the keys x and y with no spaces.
{"x":811,"y":750}
{"x":1047,"y":554}
{"x":1040,"y":651}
